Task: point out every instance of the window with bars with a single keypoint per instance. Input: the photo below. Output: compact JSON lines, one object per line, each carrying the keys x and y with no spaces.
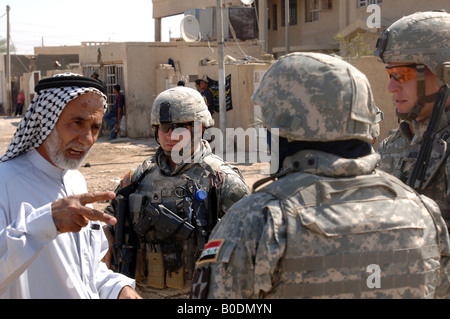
{"x":110,"y":75}
{"x":88,"y":70}
{"x":113,"y":75}
{"x":365,"y":3}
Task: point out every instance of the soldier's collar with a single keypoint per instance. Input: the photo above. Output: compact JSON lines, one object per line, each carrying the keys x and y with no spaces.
{"x":326,"y":164}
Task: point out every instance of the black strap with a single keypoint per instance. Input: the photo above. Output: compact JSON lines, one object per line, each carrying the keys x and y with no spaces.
{"x":68,"y":81}
{"x":131,"y":188}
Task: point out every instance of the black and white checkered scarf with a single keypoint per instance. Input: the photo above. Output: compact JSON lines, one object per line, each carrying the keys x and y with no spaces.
{"x":42,"y":115}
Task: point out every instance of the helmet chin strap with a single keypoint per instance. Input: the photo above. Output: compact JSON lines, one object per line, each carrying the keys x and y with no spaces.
{"x":414,"y":113}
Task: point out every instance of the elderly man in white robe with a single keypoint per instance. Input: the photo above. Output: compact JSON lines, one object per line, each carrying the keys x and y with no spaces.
{"x":51,"y":241}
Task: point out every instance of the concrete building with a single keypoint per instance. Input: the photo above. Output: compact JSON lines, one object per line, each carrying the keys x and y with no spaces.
{"x":329,"y":26}
{"x":143,"y":70}
{"x":253,"y":35}
{"x":313,"y":24}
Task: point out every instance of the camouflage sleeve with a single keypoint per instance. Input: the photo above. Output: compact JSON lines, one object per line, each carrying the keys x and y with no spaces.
{"x":443,"y":285}
{"x":391,"y":136}
{"x":382,"y":146}
{"x":231,"y":189}
{"x":241,"y":258}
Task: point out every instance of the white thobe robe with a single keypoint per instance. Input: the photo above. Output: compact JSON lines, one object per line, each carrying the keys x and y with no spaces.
{"x":36,"y":261}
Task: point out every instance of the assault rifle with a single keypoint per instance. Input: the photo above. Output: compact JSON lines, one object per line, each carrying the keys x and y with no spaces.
{"x":125,"y":240}
{"x":416,"y":180}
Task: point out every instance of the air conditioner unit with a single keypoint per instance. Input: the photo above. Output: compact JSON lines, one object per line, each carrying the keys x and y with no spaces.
{"x":243,"y":21}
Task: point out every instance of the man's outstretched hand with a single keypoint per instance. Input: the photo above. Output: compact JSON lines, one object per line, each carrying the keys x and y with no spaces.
{"x":71,"y":214}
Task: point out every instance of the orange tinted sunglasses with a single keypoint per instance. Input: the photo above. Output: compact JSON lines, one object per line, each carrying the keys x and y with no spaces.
{"x":402,"y":73}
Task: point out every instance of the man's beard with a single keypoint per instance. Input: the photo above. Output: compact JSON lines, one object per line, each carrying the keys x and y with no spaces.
{"x":56,"y":151}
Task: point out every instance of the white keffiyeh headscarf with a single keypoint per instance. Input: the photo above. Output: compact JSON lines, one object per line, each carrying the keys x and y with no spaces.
{"x":45,"y":109}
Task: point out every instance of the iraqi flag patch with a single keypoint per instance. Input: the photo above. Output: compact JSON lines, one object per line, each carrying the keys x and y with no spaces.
{"x":211,"y":251}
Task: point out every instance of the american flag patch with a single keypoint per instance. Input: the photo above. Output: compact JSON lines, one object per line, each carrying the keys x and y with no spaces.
{"x":211,"y":251}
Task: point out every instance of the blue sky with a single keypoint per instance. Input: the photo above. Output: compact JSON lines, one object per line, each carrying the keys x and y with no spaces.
{"x":64,"y":22}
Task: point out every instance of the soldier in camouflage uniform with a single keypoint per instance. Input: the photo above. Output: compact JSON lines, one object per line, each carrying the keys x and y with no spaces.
{"x":167,"y":207}
{"x":332,"y":225}
{"x":417,"y":51}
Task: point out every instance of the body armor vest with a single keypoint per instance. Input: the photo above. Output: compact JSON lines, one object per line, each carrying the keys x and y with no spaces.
{"x":166,"y":255}
{"x":339,"y":247}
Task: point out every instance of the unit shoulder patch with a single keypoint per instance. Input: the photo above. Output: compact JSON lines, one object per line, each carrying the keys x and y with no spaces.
{"x":126,"y":180}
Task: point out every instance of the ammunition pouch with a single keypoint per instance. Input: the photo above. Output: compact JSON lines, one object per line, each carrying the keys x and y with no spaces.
{"x":172,"y":256}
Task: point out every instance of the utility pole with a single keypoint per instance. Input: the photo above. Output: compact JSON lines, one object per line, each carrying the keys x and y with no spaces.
{"x":220,"y":44}
{"x":262,"y":23}
{"x":286,"y":25}
{"x":8,"y":65}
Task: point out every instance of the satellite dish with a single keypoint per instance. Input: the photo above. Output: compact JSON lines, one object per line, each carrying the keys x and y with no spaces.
{"x":247,"y":2}
{"x":190,"y":29}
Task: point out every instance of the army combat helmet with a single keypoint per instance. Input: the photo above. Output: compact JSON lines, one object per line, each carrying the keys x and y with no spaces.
{"x":316,"y":97}
{"x":422,"y":38}
{"x":180,"y":105}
